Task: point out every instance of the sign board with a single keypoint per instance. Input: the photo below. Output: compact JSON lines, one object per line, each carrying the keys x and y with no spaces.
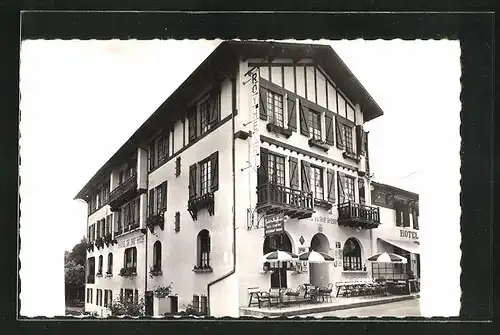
{"x":274,"y":224}
{"x":130,"y":242}
{"x":255,"y":118}
{"x":323,"y":219}
{"x":408,"y":234}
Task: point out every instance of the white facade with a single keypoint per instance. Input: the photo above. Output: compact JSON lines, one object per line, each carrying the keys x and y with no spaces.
{"x":302,"y":82}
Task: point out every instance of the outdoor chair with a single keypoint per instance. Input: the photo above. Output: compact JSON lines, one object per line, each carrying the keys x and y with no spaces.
{"x":275,"y":296}
{"x":293,"y":293}
{"x":325,"y":292}
{"x":259,"y":296}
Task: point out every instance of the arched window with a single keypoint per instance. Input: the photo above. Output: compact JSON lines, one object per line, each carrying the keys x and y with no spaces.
{"x":352,"y":255}
{"x":110,"y":263}
{"x":130,"y":259}
{"x":99,"y":271}
{"x":157,"y":255}
{"x":204,"y":249}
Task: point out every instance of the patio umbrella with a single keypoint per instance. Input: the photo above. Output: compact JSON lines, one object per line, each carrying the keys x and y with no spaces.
{"x":386,"y":257}
{"x":279,"y":256}
{"x":315,"y":257}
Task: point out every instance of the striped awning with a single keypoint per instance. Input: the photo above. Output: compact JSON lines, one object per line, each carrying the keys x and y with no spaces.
{"x":411,"y":247}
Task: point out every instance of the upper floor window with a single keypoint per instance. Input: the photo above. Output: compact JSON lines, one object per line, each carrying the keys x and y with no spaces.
{"x":314,"y":122}
{"x":204,"y":248}
{"x":316,"y":180}
{"x":344,"y":136}
{"x":274,"y":106}
{"x":130,"y":258}
{"x":99,"y":270}
{"x":108,"y":224}
{"x":157,"y":199}
{"x":209,"y":112}
{"x":346,"y":188}
{"x":276,"y":169}
{"x":110,"y":263}
{"x":130,"y":214}
{"x":92,"y":233}
{"x":415,"y":217}
{"x":91,"y":266}
{"x":157,"y":255}
{"x":158,"y":151}
{"x":204,"y":176}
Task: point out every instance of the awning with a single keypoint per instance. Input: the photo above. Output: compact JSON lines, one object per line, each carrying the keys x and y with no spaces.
{"x":412,"y":247}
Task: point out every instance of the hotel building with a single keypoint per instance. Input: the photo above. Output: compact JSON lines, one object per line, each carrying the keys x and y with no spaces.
{"x":260,"y":130}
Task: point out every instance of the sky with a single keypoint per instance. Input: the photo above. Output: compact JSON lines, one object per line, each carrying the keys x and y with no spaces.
{"x":81,"y":100}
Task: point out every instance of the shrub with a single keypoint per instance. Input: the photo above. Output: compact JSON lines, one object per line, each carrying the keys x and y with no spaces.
{"x":127,"y":308}
{"x":163,"y":291}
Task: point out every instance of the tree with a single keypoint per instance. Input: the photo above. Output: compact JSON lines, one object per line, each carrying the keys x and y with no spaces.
{"x":74,"y":270}
{"x":74,"y":274}
{"x":79,"y":253}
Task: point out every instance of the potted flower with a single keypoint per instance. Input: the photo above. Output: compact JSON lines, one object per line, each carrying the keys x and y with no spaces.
{"x":160,"y":304}
{"x":154,"y":271}
{"x":128,"y":271}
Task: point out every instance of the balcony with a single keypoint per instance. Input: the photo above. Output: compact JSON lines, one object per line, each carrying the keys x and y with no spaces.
{"x":274,"y":128}
{"x":155,"y":220}
{"x":273,"y":198}
{"x":123,"y":193}
{"x":91,"y":279}
{"x":204,"y":201}
{"x":356,"y":215}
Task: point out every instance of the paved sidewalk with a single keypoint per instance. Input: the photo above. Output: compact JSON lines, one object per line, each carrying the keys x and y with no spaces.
{"x":336,"y":304}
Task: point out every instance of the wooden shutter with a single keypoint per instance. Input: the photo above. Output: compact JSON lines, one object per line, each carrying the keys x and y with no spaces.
{"x":360,"y":140}
{"x":340,"y":184}
{"x":340,"y":139}
{"x":397,"y":207}
{"x":304,"y":127}
{"x":294,"y":173}
{"x":214,"y":173}
{"x":192,"y":124}
{"x":305,"y":175}
{"x":330,"y":182}
{"x":292,"y":114}
{"x":192,"y":180}
{"x":361,"y":187}
{"x":262,"y":103}
{"x":214,"y":109}
{"x":415,"y":217}
{"x":262,"y":172}
{"x":178,"y":166}
{"x":329,"y":127}
{"x":163,"y":196}
{"x":406,"y":215}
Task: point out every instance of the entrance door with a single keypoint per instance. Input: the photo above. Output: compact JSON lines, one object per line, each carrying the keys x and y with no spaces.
{"x":149,"y":303}
{"x":174,"y":304}
{"x":275,"y":277}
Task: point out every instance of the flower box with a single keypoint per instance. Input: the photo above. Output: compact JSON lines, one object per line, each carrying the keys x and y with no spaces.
{"x":108,"y":239}
{"x":203,"y":269}
{"x":274,"y":128}
{"x":352,"y":156}
{"x":319,"y":144}
{"x":128,"y":272}
{"x":154,"y":271}
{"x":322,"y":203}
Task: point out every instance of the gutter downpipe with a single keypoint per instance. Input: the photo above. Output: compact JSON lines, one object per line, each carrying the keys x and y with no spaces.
{"x":234,"y":110}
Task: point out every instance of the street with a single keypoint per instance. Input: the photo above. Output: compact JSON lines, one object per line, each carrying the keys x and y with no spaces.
{"x":398,"y":309}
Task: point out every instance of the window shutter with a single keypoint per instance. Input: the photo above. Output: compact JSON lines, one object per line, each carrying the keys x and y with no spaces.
{"x":304,"y":127}
{"x":294,"y":173}
{"x":292,"y":114}
{"x":330,"y":181}
{"x":340,"y":138}
{"x":163,"y":196}
{"x":415,"y":217}
{"x":214,"y":109}
{"x":329,"y":127}
{"x":262,"y":103}
{"x":192,"y":181}
{"x":262,"y":172}
{"x":367,"y":165}
{"x":192,"y":124}
{"x":306,"y":172}
{"x":360,"y":140}
{"x":340,"y":184}
{"x":397,"y":207}
{"x":361,"y":187}
{"x":406,"y":215}
{"x":214,"y":173}
{"x":178,"y":166}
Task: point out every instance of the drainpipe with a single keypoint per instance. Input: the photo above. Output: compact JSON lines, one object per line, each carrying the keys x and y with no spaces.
{"x":233,"y":80}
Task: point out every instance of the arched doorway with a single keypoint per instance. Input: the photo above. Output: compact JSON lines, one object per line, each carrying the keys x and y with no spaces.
{"x":272,"y":243}
{"x":319,"y":273}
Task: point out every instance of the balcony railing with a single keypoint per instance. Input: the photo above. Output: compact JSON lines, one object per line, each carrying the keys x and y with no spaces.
{"x":275,"y":198}
{"x":123,"y":193}
{"x":356,"y":215}
{"x":198,"y":203}
{"x":155,"y":220}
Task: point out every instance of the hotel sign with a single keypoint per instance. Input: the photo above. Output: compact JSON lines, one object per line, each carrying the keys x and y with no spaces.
{"x":274,"y":224}
{"x":130,"y":242}
{"x":255,"y":118}
{"x":408,"y":234}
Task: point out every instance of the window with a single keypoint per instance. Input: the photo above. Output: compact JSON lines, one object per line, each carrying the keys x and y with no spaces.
{"x":415,"y":217}
{"x":108,"y":224}
{"x":119,"y":223}
{"x":314,"y":122}
{"x":130,"y":260}
{"x":157,"y":255}
{"x":346,"y":188}
{"x":178,"y":166}
{"x":110,"y":263}
{"x":158,"y":199}
{"x":276,"y":169}
{"x":204,"y":249}
{"x":99,"y":271}
{"x":130,"y":215}
{"x":91,"y":295}
{"x":316,"y":179}
{"x":205,"y":177}
{"x":275,"y":108}
{"x":88,"y":295}
{"x":158,"y":151}
{"x":352,"y":255}
{"x":136,"y":296}
{"x":177,"y":222}
{"x":209,"y":112}
{"x":129,"y":295}
{"x":204,"y":305}
{"x":91,"y":266}
{"x":106,"y":297}
{"x":196,"y":302}
{"x":344,"y":137}
{"x":110,"y":297}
